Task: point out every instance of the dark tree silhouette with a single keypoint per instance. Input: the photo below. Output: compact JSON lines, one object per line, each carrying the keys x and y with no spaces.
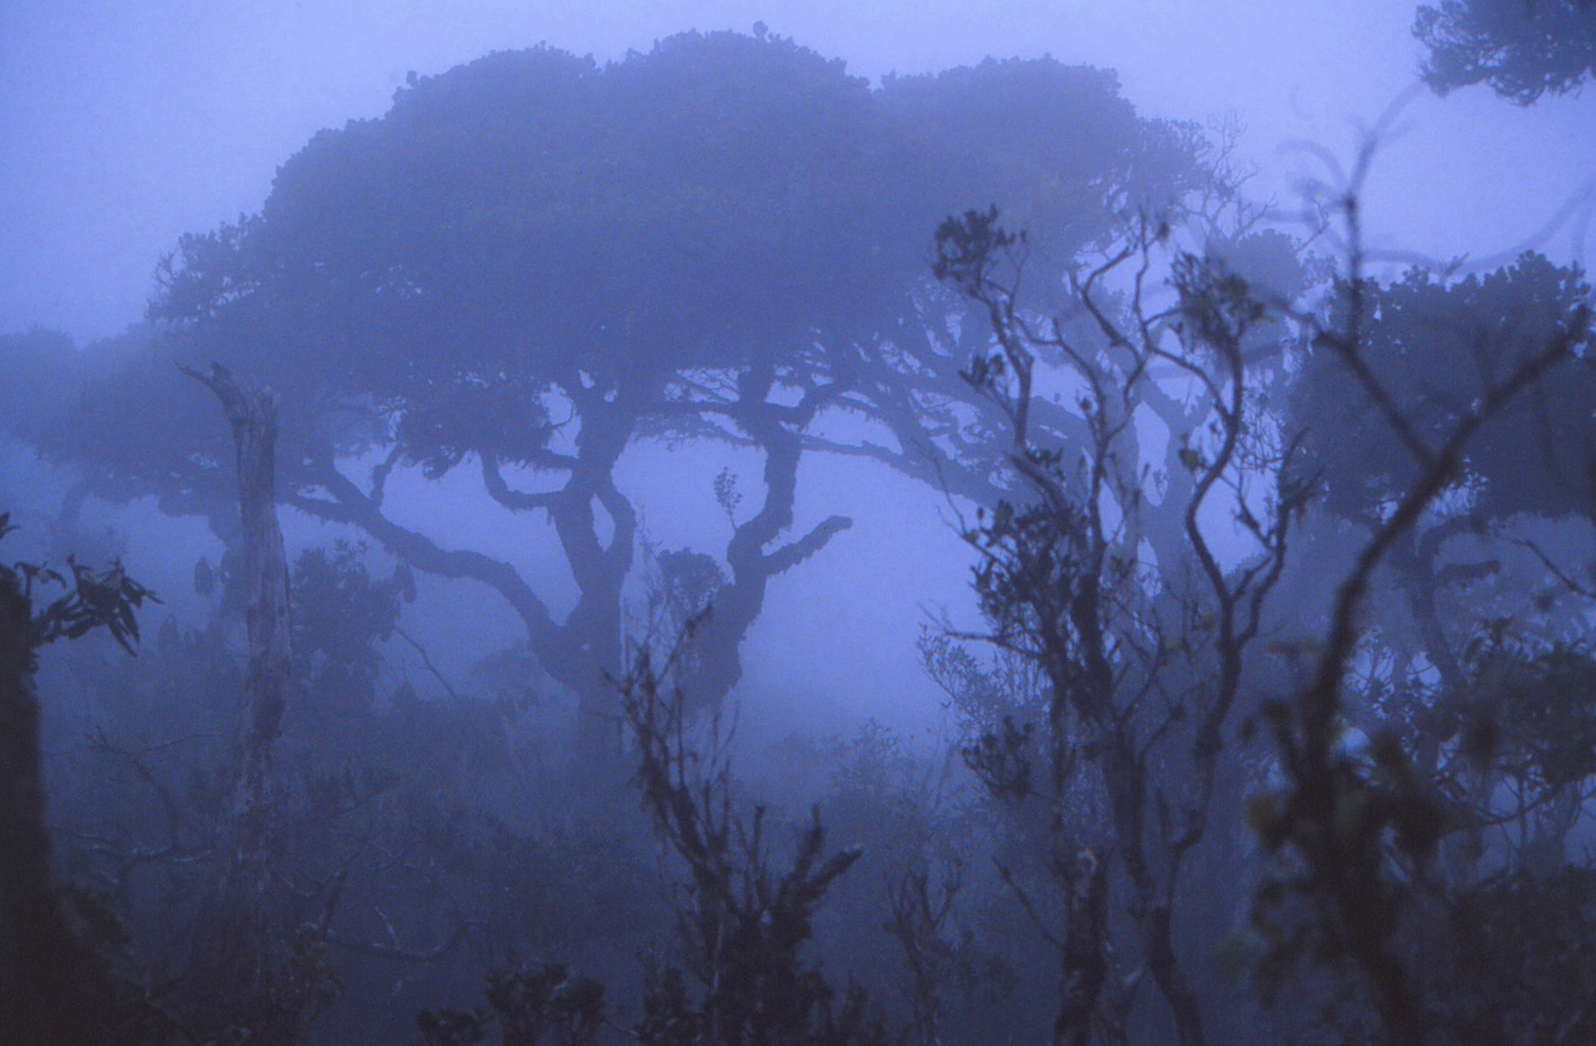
{"x":1523,"y":49}
{"x":48,"y":984}
{"x":1141,"y":658}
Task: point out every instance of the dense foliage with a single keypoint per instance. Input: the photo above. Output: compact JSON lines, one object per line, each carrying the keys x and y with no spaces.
{"x":1522,"y":48}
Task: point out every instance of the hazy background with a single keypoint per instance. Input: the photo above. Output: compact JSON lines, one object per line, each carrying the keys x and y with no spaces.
{"x":125,"y":124}
{"x":477,"y":819}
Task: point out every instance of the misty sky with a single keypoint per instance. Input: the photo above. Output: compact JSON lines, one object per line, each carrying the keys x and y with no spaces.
{"x":124,"y":123}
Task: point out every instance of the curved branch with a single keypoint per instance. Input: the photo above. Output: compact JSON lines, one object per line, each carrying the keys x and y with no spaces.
{"x":499,"y":490}
{"x":793,"y":553}
{"x":349,"y":505}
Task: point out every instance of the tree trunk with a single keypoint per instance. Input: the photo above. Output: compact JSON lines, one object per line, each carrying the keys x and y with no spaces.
{"x":1085,"y":955}
{"x":252,"y":413}
{"x":43,"y":995}
{"x":232,"y":943}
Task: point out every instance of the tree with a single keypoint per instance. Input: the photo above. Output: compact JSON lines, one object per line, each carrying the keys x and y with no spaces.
{"x":1435,"y":347}
{"x":1140,"y":656}
{"x":744,"y":914}
{"x":231,"y":944}
{"x":1070,"y":185}
{"x":48,"y":989}
{"x":1409,"y":409}
{"x":532,"y":263}
{"x":1362,"y":884}
{"x":1523,"y":48}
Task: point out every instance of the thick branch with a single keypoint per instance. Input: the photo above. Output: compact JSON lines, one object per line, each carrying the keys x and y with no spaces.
{"x":350,"y":506}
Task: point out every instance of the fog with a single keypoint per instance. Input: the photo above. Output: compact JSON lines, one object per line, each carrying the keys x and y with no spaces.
{"x":701,"y":522}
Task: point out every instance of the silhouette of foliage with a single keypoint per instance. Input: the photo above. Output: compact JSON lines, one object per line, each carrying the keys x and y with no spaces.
{"x":743,"y":919}
{"x":1523,"y":49}
{"x":93,"y":599}
{"x":51,"y":987}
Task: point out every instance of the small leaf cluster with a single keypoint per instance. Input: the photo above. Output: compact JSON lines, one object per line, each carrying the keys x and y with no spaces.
{"x":93,"y":599}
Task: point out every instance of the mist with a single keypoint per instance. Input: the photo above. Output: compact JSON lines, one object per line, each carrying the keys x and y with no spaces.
{"x":713,"y":523}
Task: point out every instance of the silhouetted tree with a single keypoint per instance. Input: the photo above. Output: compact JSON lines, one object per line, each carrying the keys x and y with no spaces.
{"x":50,"y":989}
{"x":1453,"y":374}
{"x":533,"y":262}
{"x":1141,"y":658}
{"x":1522,"y":48}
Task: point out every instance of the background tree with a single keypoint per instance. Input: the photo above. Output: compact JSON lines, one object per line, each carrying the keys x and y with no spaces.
{"x":533,"y":263}
{"x":1522,"y":48}
{"x":1382,"y":873}
{"x":1438,"y":347}
{"x":1071,"y":185}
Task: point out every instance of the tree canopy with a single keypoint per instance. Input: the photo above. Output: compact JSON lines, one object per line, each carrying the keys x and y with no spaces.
{"x":1439,"y":344}
{"x":1522,"y":48}
{"x":533,"y":261}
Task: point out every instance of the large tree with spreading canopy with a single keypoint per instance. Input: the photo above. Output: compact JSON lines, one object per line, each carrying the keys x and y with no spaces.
{"x":534,"y":261}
